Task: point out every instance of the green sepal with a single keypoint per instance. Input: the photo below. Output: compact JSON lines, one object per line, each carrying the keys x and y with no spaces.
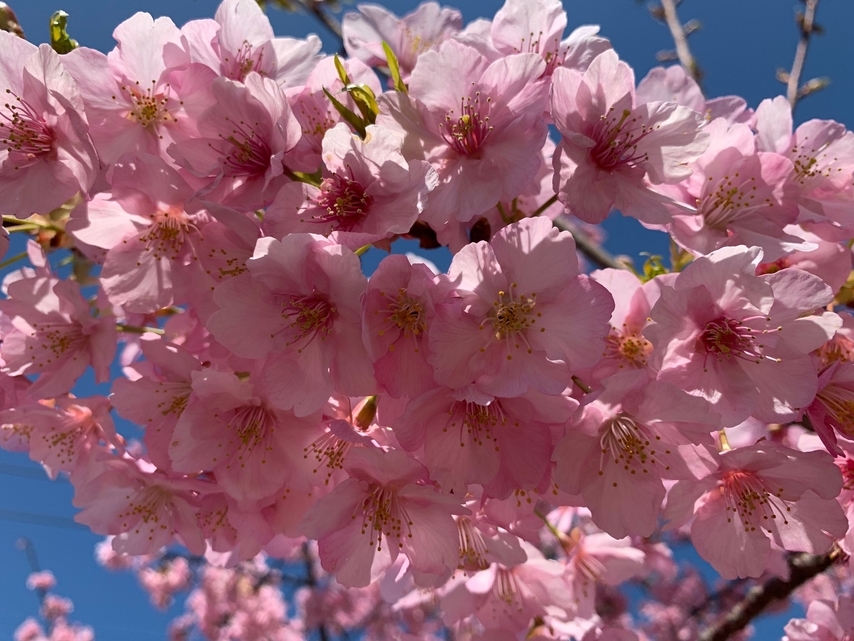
{"x":394,"y":69}
{"x":357,"y":122}
{"x":365,"y":100}
{"x":59,"y":38}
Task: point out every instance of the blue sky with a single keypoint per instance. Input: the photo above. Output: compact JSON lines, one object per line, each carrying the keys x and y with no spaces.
{"x":740,"y":47}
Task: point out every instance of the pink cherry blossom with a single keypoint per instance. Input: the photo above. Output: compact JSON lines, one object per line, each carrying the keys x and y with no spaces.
{"x":244,"y":137}
{"x":144,"y":509}
{"x":379,"y":512}
{"x":479,"y":123}
{"x":156,"y":401}
{"x":504,"y":445}
{"x":397,"y":311}
{"x":616,"y":453}
{"x":300,"y":300}
{"x":537,"y":27}
{"x":240,"y":39}
{"x":423,"y":30}
{"x":742,"y":341}
{"x":610,"y":144}
{"x":822,"y":153}
{"x":761,"y":491}
{"x":742,"y":197}
{"x":143,"y":95}
{"x":825,"y":622}
{"x":63,"y":430}
{"x":144,"y":225}
{"x":832,"y":411}
{"x":369,"y":192}
{"x":54,"y":335}
{"x":43,"y":131}
{"x":230,"y":427}
{"x":518,"y":325}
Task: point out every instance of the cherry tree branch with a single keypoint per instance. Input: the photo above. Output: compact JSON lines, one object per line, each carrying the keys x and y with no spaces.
{"x":802,"y":568}
{"x":794,"y":91}
{"x":589,"y":247}
{"x":315,"y":8}
{"x":311,"y":582}
{"x":680,"y":38}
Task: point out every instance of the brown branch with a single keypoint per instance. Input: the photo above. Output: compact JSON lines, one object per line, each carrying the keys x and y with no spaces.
{"x":311,"y":582}
{"x":315,"y":7}
{"x":807,"y":24}
{"x":680,"y":38}
{"x":802,"y":568}
{"x":587,"y":246}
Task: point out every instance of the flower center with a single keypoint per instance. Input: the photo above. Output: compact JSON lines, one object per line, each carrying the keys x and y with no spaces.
{"x":512,"y":313}
{"x":631,"y":444}
{"x":630,"y":348}
{"x":245,"y":60}
{"x":249,"y":154}
{"x":384,"y":515}
{"x":747,"y":496}
{"x":23,"y":130}
{"x":251,"y":426}
{"x":616,"y":142}
{"x":407,"y":314}
{"x":839,"y":403}
{"x":329,"y":451}
{"x":309,"y":316}
{"x":813,"y":162}
{"x":846,"y":466}
{"x":149,"y":106}
{"x":167,"y":233}
{"x":473,"y":548}
{"x":477,"y":422}
{"x":345,"y":202}
{"x":726,"y":338}
{"x":467,"y":132}
{"x":57,"y":339}
{"x":838,"y":348}
{"x":506,"y":588}
{"x":731,"y":199}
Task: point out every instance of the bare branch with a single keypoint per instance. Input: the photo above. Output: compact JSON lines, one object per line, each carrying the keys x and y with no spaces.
{"x":680,"y":38}
{"x":806,"y":22}
{"x":316,"y":8}
{"x":587,"y":246}
{"x":802,"y":568}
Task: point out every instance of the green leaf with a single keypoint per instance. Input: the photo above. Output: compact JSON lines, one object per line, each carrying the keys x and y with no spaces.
{"x":59,"y":38}
{"x":394,"y":69}
{"x":679,"y":258}
{"x":365,"y":100}
{"x":355,"y":121}
{"x":653,"y":267}
{"x":342,"y":72}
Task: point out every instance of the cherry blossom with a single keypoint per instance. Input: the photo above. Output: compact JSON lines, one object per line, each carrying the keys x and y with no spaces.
{"x":43,"y":131}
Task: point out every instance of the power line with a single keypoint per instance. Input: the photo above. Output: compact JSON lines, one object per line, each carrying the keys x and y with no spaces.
{"x":24,"y":472}
{"x":42,"y":519}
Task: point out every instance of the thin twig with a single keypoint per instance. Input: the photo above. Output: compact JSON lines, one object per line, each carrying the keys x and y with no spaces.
{"x":315,"y":7}
{"x":807,"y":24}
{"x":311,"y":582}
{"x":587,"y":246}
{"x":802,"y":568}
{"x":683,"y":52}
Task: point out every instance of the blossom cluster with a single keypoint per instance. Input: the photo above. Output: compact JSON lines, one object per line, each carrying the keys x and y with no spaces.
{"x":432,"y":432}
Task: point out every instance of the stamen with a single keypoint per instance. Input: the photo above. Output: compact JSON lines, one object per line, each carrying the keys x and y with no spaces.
{"x":23,"y":130}
{"x":470,"y":130}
